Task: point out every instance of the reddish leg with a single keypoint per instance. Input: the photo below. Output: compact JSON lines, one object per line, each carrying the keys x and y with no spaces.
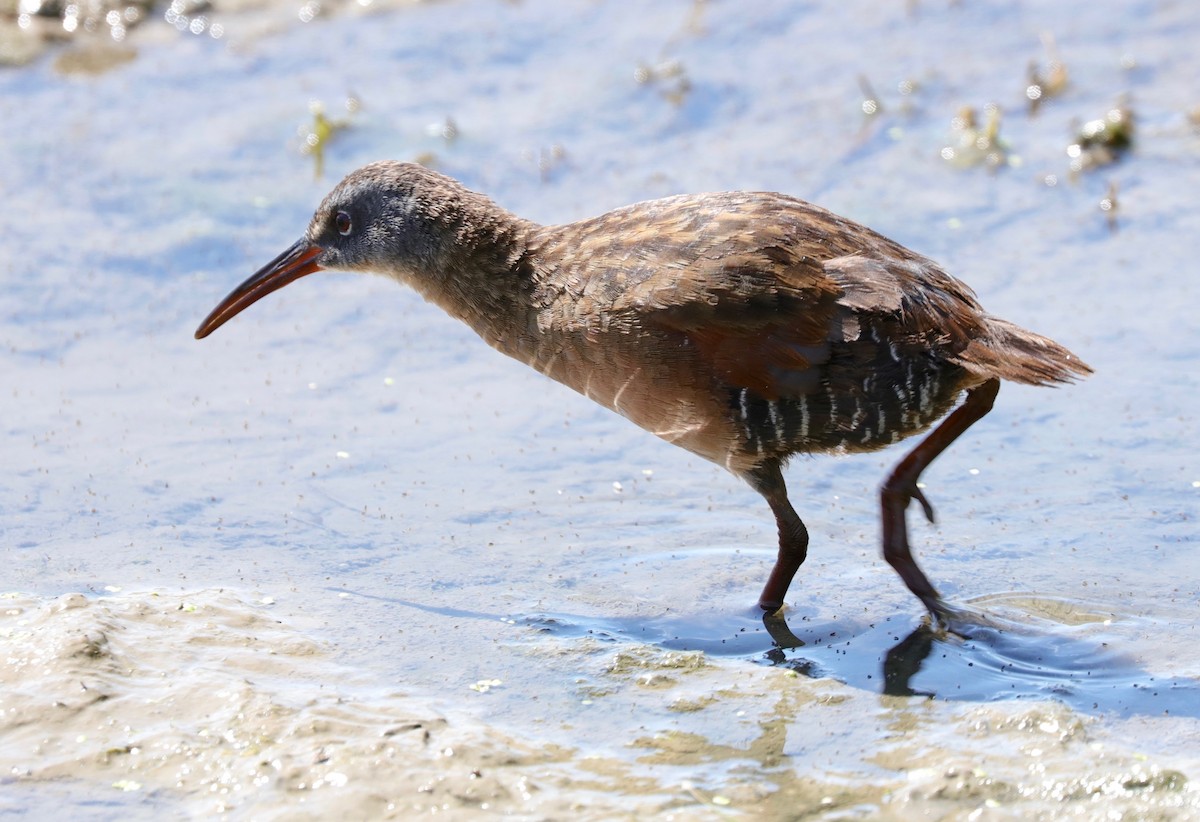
{"x":767,"y":479}
{"x":901,"y":488}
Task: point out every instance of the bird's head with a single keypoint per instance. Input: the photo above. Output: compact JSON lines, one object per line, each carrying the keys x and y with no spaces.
{"x":388,"y":217}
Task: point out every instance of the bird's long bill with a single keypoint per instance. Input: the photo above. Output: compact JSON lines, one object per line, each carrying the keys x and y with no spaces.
{"x":288,"y":266}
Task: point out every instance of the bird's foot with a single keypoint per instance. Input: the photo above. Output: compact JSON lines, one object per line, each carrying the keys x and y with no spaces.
{"x":960,"y":622}
{"x":778,"y":630}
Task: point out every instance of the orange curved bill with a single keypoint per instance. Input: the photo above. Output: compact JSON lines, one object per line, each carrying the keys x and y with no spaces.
{"x":288,"y":266}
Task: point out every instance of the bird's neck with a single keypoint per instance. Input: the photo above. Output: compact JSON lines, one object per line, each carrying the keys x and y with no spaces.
{"x":481,"y":275}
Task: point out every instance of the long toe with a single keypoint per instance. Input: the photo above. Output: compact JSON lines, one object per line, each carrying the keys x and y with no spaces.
{"x":962,"y":622}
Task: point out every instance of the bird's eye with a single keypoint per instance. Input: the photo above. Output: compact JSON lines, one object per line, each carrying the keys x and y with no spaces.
{"x":343,"y":222}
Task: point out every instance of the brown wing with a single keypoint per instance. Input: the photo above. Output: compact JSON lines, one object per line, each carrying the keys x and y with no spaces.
{"x":767,"y":321}
{"x":768,"y":289}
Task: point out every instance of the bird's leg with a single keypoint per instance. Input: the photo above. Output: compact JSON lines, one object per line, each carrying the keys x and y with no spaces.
{"x":767,"y":479}
{"x":901,"y":488}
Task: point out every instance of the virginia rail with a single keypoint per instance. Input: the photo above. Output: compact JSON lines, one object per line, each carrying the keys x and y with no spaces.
{"x":744,"y":327}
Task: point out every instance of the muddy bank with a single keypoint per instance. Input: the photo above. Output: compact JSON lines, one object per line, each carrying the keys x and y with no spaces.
{"x":205,"y":703}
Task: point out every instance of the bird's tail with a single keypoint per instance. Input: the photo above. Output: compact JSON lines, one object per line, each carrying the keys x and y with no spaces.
{"x":1010,"y":352}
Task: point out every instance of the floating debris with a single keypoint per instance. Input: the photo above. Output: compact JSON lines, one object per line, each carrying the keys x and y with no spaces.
{"x":870,"y":102}
{"x":309,"y":11}
{"x":446,"y":130}
{"x":96,"y":30}
{"x":314,"y":137}
{"x":879,"y":116}
{"x":668,"y":76}
{"x":547,"y":160}
{"x":1108,"y":204}
{"x":908,"y":89}
{"x":93,"y":58}
{"x":1102,"y":142}
{"x":973,"y":145}
{"x":550,"y":159}
{"x":429,"y":159}
{"x":185,"y":16}
{"x":694,"y":25}
{"x":1050,"y":82}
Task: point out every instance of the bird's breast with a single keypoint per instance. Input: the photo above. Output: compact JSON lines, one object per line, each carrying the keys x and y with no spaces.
{"x":656,"y":380}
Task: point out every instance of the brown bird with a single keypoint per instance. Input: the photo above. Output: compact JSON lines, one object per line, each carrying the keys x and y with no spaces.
{"x":743,"y":326}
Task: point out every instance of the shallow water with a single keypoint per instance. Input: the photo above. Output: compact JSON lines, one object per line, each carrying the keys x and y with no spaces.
{"x":283,"y":571}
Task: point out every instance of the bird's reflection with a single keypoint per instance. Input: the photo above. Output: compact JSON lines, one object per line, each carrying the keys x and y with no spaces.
{"x":904,"y":660}
{"x":900,"y":664}
{"x":1039,"y":652}
{"x":983,"y":658}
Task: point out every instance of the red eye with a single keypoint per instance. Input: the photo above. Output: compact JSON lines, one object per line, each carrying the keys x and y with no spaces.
{"x":343,"y":222}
